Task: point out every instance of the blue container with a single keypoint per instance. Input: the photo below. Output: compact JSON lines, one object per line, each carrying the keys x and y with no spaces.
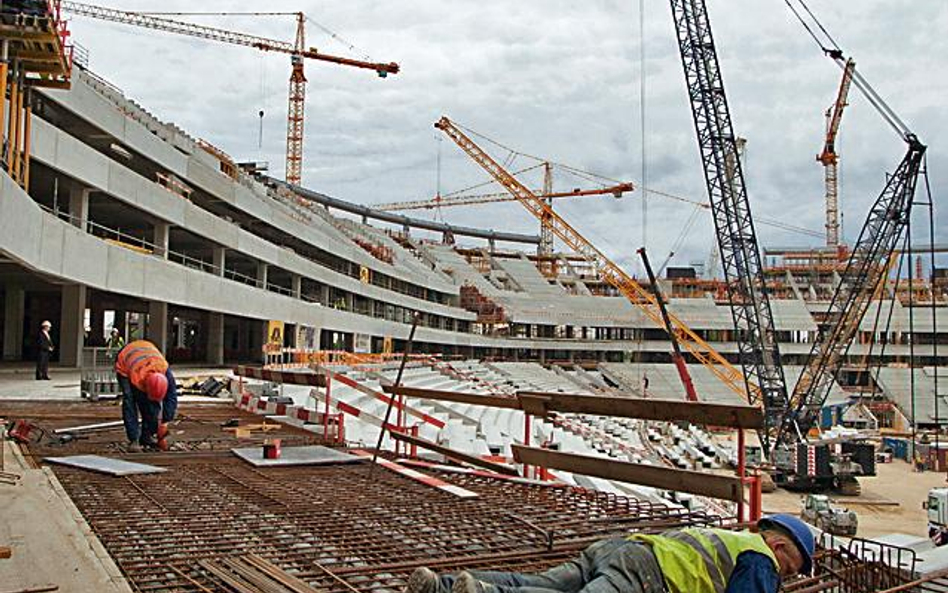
{"x":899,"y":447}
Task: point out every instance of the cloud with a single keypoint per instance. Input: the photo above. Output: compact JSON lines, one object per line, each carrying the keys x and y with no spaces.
{"x":559,"y":79}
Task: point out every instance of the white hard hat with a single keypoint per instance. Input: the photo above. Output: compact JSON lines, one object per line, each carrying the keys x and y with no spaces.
{"x":46,"y":323}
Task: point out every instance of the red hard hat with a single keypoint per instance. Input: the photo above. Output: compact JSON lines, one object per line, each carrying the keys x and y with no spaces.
{"x":156,"y":386}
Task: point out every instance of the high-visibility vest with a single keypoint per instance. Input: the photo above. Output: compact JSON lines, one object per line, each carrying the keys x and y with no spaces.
{"x":700,"y":560}
{"x":137,"y":360}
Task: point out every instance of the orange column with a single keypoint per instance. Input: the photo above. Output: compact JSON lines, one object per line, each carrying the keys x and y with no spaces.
{"x":12,"y":123}
{"x":25,"y":167}
{"x":3,"y":96}
{"x":18,"y":132}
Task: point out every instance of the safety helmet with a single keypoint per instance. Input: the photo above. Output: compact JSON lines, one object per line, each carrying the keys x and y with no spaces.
{"x":46,"y":323}
{"x":798,"y":531}
{"x":156,"y":386}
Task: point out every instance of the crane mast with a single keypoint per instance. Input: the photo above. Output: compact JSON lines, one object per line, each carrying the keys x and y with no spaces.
{"x":830,"y":158}
{"x":608,"y":271}
{"x":297,"y":50}
{"x":867,"y":268}
{"x":734,"y":227}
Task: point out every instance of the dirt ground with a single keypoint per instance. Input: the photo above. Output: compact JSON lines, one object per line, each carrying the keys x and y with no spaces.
{"x":895,"y":482}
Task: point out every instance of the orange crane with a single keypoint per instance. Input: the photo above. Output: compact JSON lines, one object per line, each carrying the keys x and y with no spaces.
{"x":641,"y":298}
{"x":830,"y":159}
{"x":470,"y":199}
{"x":297,"y":51}
{"x":545,"y":246}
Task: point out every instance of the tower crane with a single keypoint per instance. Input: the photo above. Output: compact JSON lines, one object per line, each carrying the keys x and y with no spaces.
{"x":830,"y":158}
{"x":297,"y":51}
{"x":471,"y":199}
{"x":790,"y":417}
{"x":608,"y":271}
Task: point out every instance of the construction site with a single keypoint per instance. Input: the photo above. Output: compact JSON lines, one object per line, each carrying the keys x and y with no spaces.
{"x":364,"y":390}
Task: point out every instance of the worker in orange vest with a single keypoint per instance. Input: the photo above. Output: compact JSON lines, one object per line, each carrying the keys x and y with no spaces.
{"x":149,"y":389}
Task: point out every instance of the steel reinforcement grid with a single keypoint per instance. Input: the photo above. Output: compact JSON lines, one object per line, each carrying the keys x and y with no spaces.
{"x":340,"y":528}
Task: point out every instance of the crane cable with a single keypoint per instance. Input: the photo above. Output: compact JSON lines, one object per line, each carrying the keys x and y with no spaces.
{"x":834,"y":51}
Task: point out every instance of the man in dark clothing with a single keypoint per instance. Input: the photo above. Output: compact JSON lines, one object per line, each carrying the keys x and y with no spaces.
{"x":44,"y":345}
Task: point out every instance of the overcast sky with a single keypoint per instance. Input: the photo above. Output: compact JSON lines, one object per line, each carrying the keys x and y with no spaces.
{"x":558,"y":79}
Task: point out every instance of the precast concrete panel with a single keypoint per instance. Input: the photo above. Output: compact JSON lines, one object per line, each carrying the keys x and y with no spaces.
{"x":126,"y":272}
{"x":84,"y":258}
{"x":51,"y":243}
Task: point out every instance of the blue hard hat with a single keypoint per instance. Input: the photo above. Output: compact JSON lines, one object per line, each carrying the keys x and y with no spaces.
{"x":798,"y":531}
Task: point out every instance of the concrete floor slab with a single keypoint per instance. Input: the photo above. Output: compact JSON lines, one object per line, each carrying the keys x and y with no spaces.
{"x":51,"y":542}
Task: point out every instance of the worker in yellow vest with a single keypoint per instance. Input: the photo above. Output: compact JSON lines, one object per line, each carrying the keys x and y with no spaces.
{"x":148,"y":389}
{"x":689,"y":560}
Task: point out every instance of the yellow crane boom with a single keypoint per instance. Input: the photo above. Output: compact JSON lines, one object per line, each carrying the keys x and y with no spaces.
{"x":608,"y":271}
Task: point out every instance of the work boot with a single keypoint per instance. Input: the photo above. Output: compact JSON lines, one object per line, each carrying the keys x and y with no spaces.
{"x":466,"y":583}
{"x":133,"y":447}
{"x":423,"y":580}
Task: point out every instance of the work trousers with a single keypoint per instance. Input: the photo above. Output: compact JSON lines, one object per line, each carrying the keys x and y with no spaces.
{"x":607,"y":566}
{"x":42,"y":365}
{"x":135,"y":403}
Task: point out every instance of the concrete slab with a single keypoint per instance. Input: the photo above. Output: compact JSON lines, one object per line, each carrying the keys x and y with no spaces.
{"x":106,"y":465}
{"x":310,"y":455}
{"x":51,"y":542}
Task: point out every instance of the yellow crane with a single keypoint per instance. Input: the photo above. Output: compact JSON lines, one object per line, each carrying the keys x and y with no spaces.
{"x":611,"y":273}
{"x":297,"y":51}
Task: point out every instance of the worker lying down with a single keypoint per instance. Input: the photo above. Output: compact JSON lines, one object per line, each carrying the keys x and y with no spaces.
{"x":689,"y":560}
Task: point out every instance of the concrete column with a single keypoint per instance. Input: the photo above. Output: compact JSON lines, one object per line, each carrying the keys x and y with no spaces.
{"x":215,"y":338}
{"x":96,"y":324}
{"x":120,"y":323}
{"x":262,"y":275}
{"x":297,"y":286}
{"x":71,"y":325}
{"x":324,"y":294}
{"x":160,"y":239}
{"x":14,"y":310}
{"x":157,"y":330}
{"x":220,"y":259}
{"x":79,"y":206}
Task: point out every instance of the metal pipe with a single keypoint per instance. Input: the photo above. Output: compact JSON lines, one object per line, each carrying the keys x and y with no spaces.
{"x":406,"y":221}
{"x":398,"y":381}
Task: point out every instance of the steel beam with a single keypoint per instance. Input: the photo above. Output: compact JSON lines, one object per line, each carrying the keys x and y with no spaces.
{"x":703,"y":484}
{"x":491,"y":401}
{"x":541,"y":404}
{"x":455,"y":455}
{"x":653,"y":409}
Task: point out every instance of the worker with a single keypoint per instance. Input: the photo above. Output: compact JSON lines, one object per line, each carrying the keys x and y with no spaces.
{"x":116,"y":342}
{"x":148,"y":389}
{"x":689,"y":560}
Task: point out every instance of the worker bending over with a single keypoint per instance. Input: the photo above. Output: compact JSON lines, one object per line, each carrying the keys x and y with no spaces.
{"x":148,"y":388}
{"x":689,"y":560}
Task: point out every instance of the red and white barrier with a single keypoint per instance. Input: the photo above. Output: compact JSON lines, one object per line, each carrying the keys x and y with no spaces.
{"x":420,"y":477}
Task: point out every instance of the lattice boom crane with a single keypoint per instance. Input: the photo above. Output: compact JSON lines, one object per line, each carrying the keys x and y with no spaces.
{"x":608,"y":271}
{"x":297,"y":50}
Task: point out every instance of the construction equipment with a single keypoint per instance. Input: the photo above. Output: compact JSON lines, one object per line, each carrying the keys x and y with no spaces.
{"x":737,"y":240}
{"x":937,"y":508}
{"x":819,"y":511}
{"x":829,"y":157}
{"x":545,"y":246}
{"x":297,"y":51}
{"x":608,"y":271}
{"x":677,"y":357}
{"x":800,"y":464}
